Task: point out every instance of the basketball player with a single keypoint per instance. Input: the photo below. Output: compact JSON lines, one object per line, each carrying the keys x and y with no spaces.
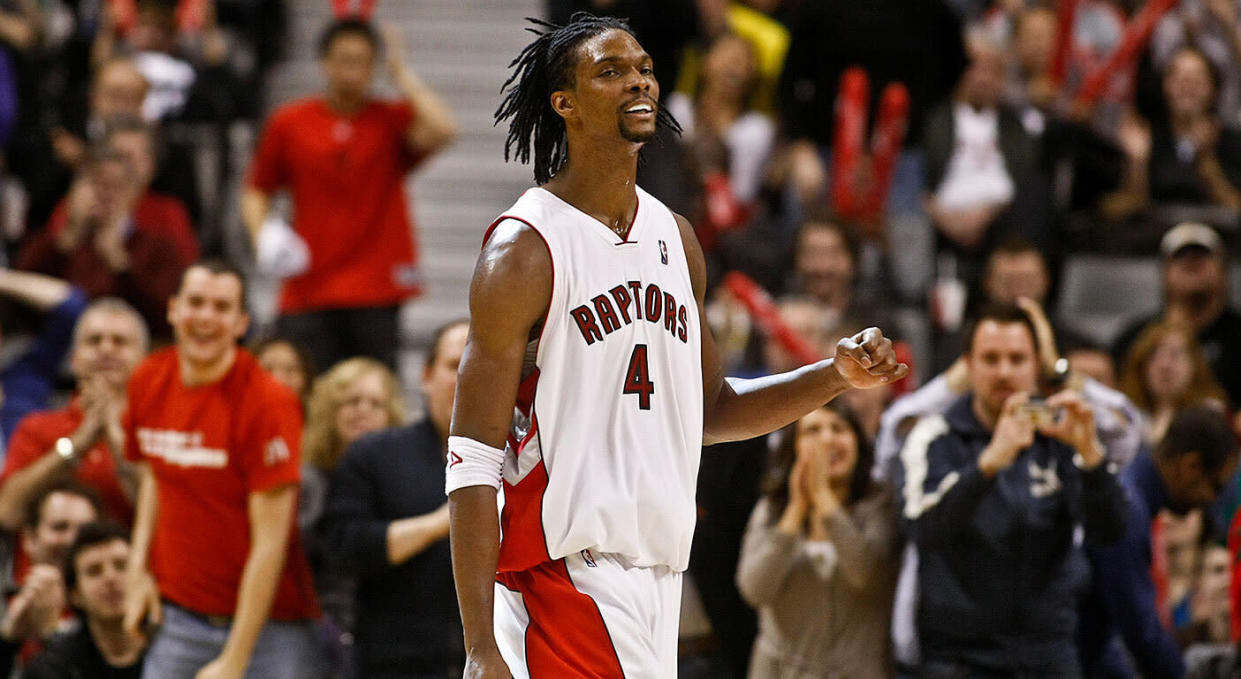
{"x":589,"y":384}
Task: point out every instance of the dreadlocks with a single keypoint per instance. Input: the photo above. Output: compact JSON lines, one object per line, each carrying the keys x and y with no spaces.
{"x":545,"y":66}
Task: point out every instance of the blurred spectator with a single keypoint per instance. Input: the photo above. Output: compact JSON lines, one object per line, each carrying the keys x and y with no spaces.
{"x":825,"y":266}
{"x":183,"y":86}
{"x":1017,"y":268}
{"x":50,"y":526}
{"x":827,"y":269}
{"x":1214,"y":28}
{"x":107,"y":241}
{"x":1188,"y":469}
{"x":729,"y":141}
{"x":217,"y":437}
{"x":94,"y":578}
{"x":387,"y":521}
{"x":1093,"y":361}
{"x":1166,"y":372}
{"x":344,"y":156}
{"x":820,"y":556}
{"x":84,"y":440}
{"x":27,"y":378}
{"x":117,"y":91}
{"x":358,"y":396}
{"x":1209,"y":621}
{"x":287,"y":363}
{"x":981,"y":164}
{"x":51,"y":522}
{"x":767,"y":36}
{"x":994,"y":490}
{"x":1187,"y":156}
{"x":1195,"y":293}
{"x":139,"y":143}
{"x":1180,"y":537}
{"x":1030,"y":91}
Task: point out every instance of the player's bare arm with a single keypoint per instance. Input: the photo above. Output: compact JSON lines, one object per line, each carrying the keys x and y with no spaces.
{"x":509,"y":294}
{"x":736,"y":409}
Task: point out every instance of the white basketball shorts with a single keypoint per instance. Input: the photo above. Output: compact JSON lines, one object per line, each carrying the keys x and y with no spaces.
{"x":589,"y":615}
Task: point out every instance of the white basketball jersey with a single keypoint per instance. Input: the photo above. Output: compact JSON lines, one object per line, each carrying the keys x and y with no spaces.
{"x":607,"y":431}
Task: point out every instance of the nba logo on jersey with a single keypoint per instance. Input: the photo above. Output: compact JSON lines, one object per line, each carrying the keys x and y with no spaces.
{"x":663,"y":252}
{"x":590,"y":560}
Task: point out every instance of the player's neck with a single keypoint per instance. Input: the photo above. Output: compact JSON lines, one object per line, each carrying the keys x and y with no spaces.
{"x":195,"y":374}
{"x":602,"y":185}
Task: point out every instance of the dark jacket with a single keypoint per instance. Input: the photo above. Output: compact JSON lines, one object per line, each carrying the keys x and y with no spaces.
{"x":407,"y":622}
{"x":999,"y":574}
{"x":1123,"y":586}
{"x":74,"y":655}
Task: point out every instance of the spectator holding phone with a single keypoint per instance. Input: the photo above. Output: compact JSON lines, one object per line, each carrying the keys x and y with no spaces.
{"x":994,"y":490}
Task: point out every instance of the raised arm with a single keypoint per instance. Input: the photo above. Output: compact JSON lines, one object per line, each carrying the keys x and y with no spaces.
{"x":434,"y":126}
{"x":736,"y":409}
{"x":509,"y":294}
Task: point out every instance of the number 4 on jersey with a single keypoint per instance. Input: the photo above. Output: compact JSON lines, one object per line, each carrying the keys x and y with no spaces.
{"x":638,"y":378}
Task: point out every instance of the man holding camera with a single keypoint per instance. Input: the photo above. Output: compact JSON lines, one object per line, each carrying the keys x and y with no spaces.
{"x":994,"y":491}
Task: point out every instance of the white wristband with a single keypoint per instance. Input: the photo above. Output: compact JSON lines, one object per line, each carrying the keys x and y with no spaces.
{"x":471,"y":463}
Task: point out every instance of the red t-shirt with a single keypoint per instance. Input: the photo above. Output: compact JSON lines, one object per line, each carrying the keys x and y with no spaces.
{"x":346,"y":177}
{"x":36,"y":435}
{"x":210,"y":447}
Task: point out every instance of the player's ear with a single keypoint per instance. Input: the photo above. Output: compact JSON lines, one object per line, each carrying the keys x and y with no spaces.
{"x":563,"y":104}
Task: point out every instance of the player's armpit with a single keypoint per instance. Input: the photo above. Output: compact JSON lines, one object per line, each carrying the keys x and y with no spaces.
{"x":712,"y":371}
{"x":509,"y":295}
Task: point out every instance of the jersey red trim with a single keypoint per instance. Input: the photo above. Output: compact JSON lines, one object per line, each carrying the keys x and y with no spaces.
{"x":523,"y":544}
{"x":637,"y":204}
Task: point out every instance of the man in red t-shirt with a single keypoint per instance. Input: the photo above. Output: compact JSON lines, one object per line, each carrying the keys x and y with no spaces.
{"x":343,"y":157}
{"x":83,"y":440}
{"x":218,"y":443}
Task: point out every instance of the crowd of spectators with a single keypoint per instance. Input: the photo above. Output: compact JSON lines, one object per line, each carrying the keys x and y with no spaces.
{"x":1044,"y":498}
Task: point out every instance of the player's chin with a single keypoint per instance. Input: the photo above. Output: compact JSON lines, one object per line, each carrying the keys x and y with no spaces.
{"x":638,"y":133}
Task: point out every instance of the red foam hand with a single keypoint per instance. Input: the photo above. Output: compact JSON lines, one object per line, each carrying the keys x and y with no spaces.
{"x":765,"y":313}
{"x":847,"y":144}
{"x":890,"y":127}
{"x":1066,"y":12}
{"x":1137,"y":33}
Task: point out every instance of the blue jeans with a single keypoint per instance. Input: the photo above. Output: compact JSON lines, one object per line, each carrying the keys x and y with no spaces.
{"x":187,"y":641}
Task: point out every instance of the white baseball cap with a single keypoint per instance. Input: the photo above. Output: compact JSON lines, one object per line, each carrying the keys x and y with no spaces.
{"x":1190,"y":234}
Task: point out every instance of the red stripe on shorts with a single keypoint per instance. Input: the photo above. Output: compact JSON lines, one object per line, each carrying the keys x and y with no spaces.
{"x":566,"y":636}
